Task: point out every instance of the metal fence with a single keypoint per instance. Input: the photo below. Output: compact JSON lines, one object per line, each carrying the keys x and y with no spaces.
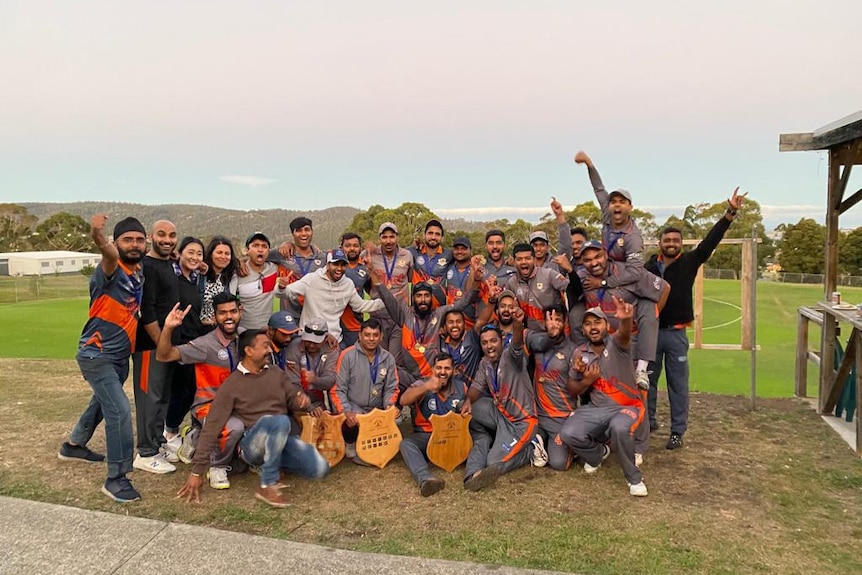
{"x":32,"y":288}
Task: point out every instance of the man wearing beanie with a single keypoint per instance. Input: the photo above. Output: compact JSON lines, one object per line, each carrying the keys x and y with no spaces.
{"x":103,"y":353}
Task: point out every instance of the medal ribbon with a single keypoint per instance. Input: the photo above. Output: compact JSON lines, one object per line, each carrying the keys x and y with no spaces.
{"x":303,"y":269}
{"x":374,"y":366}
{"x":459,"y":277}
{"x":387,"y":268}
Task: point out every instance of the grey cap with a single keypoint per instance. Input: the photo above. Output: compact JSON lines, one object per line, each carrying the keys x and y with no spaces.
{"x":315,"y":330}
{"x":387,"y":226}
{"x":540,"y":235}
{"x":596,"y":311}
{"x":623,"y":193}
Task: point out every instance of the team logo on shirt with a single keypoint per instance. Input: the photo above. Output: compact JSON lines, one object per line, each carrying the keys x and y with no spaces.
{"x":432,"y":404}
{"x":362,"y":273}
{"x":620,"y":242}
{"x":450,"y":274}
{"x":291,"y":260}
{"x":559,"y":355}
{"x":441,"y":262}
{"x":657,"y":283}
{"x":420,"y":260}
{"x":434,"y":320}
{"x":323,"y":358}
{"x":605,"y":353}
{"x":402,"y":262}
{"x":383,"y":372}
{"x":540,"y":285}
{"x":222,"y":354}
{"x":317,"y":262}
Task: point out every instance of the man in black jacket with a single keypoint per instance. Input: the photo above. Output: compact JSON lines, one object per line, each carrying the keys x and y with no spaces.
{"x":679,"y":269}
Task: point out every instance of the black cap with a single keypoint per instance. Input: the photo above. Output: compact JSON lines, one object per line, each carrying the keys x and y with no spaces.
{"x":127,"y":225}
{"x":422,"y":286}
{"x":462,"y":241}
{"x":257,"y":236}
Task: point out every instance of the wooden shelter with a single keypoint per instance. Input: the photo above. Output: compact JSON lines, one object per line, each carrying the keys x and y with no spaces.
{"x":842,"y":139}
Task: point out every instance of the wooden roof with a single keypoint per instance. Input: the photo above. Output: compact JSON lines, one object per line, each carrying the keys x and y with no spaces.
{"x":839,"y":132}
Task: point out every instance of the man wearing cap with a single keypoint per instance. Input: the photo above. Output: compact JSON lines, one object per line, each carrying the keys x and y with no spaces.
{"x":621,"y":236}
{"x":281,"y":329}
{"x":214,"y":356}
{"x":151,"y":377}
{"x":351,"y":245}
{"x":457,"y":279}
{"x":604,"y":367}
{"x":502,"y":305}
{"x":393,"y":267}
{"x":443,"y":391}
{"x":536,"y":288}
{"x":503,"y":406}
{"x":103,"y":354}
{"x":680,"y":269}
{"x":256,"y":290}
{"x":366,"y":378}
{"x":328,"y":292}
{"x":297,"y":259}
{"x":313,"y":359}
{"x":648,"y":295}
{"x":431,"y":260}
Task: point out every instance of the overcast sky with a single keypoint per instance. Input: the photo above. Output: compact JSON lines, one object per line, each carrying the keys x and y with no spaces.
{"x":472,"y":108}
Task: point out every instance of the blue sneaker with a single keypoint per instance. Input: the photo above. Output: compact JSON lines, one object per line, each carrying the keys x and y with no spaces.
{"x":120,"y":490}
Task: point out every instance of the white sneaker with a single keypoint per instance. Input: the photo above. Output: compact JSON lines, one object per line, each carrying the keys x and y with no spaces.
{"x":642,"y":378}
{"x":639,"y":460}
{"x":170,"y":448}
{"x":592,"y":469}
{"x":218,"y":477}
{"x":638,"y":489}
{"x":539,"y":457}
{"x":156,"y":464}
{"x":350,"y":450}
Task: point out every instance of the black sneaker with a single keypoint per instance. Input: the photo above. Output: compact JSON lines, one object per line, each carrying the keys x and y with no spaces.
{"x":431,"y":486}
{"x":69,"y":452}
{"x":120,"y":490}
{"x":674,"y":442}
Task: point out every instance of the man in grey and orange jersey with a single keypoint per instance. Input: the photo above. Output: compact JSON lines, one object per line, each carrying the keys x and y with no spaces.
{"x":313,"y":358}
{"x":536,"y":288}
{"x":502,"y":403}
{"x":151,"y":377}
{"x":443,"y":391}
{"x":554,"y":361}
{"x":648,"y":295}
{"x":502,"y":303}
{"x":351,"y":245}
{"x":431,"y":260}
{"x":495,"y":265}
{"x":103,"y":354}
{"x":214,"y":356}
{"x":393,"y":267}
{"x":302,"y":258}
{"x":616,"y":409}
{"x":366,"y":378}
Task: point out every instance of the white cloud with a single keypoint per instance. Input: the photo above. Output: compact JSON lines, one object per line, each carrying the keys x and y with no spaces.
{"x":253,"y":181}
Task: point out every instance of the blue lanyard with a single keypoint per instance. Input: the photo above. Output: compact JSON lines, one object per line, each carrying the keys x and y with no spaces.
{"x":438,"y":404}
{"x":303,"y":269}
{"x":374,"y":367}
{"x":459,"y":277}
{"x":546,"y":361}
{"x":229,"y":355}
{"x":308,"y":363}
{"x":492,"y":379}
{"x":387,"y":268}
{"x":279,"y":358}
{"x":432,"y":261}
{"x":455,"y":353}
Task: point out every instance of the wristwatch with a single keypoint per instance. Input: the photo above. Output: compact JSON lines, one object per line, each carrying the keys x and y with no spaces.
{"x":604,"y":283}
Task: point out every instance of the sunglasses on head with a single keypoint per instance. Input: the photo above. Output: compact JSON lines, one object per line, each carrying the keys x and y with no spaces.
{"x":308,"y":329}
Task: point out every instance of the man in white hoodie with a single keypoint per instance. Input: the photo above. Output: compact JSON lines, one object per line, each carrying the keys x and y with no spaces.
{"x":327,"y":293}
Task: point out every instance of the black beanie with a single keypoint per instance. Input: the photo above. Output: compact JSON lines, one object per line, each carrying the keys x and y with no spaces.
{"x":129,"y":224}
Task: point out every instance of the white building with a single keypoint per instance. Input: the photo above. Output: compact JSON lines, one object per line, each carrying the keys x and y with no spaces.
{"x":45,"y":263}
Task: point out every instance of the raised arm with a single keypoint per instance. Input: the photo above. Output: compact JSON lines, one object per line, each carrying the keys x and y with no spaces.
{"x":166,"y":352}
{"x":624,"y":313}
{"x":595,"y":179}
{"x":110,"y":255}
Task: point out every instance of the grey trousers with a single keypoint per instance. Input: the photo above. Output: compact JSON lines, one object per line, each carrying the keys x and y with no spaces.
{"x":590,"y":424}
{"x":413,"y":450}
{"x":673,"y":350}
{"x":559,"y":455}
{"x":498,"y":441}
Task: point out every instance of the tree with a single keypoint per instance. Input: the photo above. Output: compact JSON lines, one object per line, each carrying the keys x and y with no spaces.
{"x":850,"y":253}
{"x":410,"y":217}
{"x":16,"y":224}
{"x":801,"y":247}
{"x":62,"y":231}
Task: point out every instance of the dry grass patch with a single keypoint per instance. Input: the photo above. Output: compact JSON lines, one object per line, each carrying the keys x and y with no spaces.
{"x":751,"y":492}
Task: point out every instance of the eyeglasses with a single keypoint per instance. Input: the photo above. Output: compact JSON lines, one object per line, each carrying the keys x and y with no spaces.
{"x":308,"y":329}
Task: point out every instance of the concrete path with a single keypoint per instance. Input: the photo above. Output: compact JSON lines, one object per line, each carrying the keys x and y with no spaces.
{"x":40,"y":538}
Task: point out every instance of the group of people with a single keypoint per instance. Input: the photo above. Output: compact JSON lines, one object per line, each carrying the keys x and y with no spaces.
{"x":556,"y":358}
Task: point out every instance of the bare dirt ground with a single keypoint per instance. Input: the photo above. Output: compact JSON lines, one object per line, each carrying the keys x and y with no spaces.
{"x":773,"y":490}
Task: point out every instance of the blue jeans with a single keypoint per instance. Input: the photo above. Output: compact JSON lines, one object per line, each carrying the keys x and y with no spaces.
{"x":109,"y":401}
{"x":270,"y":446}
{"x":673,"y":349}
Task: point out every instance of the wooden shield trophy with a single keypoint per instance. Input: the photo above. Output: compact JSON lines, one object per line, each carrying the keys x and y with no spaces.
{"x":324,"y":433}
{"x":379,"y":437}
{"x":450,"y":441}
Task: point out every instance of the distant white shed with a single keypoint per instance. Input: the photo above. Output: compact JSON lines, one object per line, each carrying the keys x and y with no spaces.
{"x":45,"y":263}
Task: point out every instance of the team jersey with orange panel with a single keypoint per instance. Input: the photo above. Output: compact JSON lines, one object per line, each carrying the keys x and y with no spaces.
{"x":115,"y":303}
{"x":508,"y":384}
{"x":214,"y":359}
{"x":616,"y":384}
{"x":554,"y":366}
{"x":439,"y":403}
{"x":543,"y":288}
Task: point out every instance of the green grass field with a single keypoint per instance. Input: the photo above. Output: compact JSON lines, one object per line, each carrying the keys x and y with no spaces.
{"x":49,"y":329}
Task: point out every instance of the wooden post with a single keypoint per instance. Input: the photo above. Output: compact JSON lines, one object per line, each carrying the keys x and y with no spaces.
{"x":801,"y":386}
{"x":751,"y":248}
{"x":833,"y":203}
{"x":827,"y":358}
{"x":749,"y":268}
{"x":698,"y":309}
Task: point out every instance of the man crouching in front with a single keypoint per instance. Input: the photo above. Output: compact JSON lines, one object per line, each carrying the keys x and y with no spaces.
{"x":260,"y":395}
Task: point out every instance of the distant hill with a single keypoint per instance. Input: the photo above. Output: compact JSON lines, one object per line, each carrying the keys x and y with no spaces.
{"x":207,"y":221}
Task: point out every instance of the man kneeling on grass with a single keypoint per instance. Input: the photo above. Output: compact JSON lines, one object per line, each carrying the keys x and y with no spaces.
{"x":260,"y":395}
